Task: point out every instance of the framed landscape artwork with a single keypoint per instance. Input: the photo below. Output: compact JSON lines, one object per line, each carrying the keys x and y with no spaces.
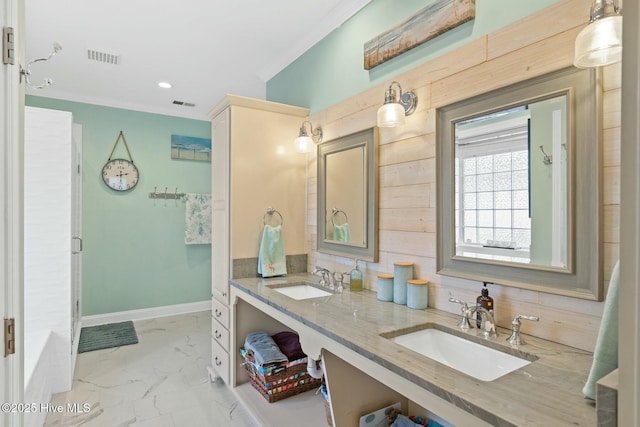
{"x":190,"y":148}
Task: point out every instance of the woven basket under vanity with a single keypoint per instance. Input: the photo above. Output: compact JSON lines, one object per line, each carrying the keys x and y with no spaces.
{"x":281,"y":381}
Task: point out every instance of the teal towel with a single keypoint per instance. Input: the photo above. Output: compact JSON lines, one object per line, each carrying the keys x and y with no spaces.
{"x":605,"y":355}
{"x":271,"y":258}
{"x":341,"y":232}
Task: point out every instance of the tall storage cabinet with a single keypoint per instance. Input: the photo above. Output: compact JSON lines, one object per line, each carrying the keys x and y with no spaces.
{"x":220,"y":256}
{"x":254,"y":167}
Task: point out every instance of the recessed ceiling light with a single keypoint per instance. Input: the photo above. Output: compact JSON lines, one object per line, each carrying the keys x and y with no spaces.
{"x":164,"y":85}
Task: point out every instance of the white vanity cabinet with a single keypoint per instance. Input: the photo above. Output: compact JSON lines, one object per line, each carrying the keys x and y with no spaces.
{"x":366,"y":371}
{"x":254,"y":167}
{"x":357,"y":385}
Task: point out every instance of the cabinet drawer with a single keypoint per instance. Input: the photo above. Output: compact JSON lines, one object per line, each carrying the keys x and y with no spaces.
{"x":221,"y":335}
{"x":220,"y":312}
{"x":220,"y":361}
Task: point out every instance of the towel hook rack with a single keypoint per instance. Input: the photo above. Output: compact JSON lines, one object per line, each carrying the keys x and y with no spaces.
{"x":165,"y":195}
{"x":337,"y":211}
{"x":269,"y":213}
{"x":547,"y":159}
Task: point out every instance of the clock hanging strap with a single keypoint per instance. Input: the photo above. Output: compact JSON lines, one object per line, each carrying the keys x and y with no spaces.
{"x":121,"y":135}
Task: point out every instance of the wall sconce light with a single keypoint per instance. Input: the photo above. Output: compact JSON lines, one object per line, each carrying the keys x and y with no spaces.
{"x":600,"y":42}
{"x":394,"y":110}
{"x":304,"y":141}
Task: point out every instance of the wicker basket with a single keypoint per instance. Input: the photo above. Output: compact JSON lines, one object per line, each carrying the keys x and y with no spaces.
{"x":281,"y":381}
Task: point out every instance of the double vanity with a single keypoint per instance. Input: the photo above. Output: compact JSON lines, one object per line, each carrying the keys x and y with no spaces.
{"x":376,"y":354}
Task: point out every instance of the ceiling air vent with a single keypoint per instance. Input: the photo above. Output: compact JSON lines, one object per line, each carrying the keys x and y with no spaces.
{"x":107,"y":58}
{"x":184,"y":104}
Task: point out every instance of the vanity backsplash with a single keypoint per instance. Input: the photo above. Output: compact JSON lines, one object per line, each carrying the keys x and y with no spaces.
{"x":248,"y":267}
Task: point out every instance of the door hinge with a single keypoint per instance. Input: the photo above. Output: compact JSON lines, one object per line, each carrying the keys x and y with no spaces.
{"x":9,"y":337}
{"x":8,"y":50}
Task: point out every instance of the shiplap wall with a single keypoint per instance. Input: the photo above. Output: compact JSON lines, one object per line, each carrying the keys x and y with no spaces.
{"x":536,"y":45}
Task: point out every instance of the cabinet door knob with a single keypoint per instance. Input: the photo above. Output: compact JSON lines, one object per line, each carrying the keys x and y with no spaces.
{"x":218,"y":362}
{"x":218,"y":313}
{"x":217,"y":334}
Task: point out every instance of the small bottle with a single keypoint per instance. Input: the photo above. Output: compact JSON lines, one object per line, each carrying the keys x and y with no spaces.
{"x":485,"y":301}
{"x":355,"y":279}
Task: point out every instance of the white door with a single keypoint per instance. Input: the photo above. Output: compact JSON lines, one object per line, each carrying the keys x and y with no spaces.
{"x":11,"y":123}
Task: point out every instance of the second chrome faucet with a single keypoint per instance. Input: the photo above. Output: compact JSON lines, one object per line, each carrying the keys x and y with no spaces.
{"x":488,"y":324}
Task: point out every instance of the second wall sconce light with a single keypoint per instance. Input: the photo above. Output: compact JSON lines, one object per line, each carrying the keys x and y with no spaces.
{"x":304,"y":142}
{"x":600,"y":42}
{"x":394,"y":110}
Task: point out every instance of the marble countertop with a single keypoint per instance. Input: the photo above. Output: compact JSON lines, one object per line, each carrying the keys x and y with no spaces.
{"x":547,"y":392}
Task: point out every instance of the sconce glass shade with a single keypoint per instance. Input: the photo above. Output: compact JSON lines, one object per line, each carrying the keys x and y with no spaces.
{"x":599,"y":43}
{"x":390,"y":115}
{"x":303,"y":144}
{"x":393,"y":111}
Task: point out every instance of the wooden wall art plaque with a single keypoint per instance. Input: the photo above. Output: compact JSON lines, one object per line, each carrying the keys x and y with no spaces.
{"x":428,"y":23}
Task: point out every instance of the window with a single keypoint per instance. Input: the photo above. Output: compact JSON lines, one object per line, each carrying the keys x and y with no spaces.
{"x":492,"y":181}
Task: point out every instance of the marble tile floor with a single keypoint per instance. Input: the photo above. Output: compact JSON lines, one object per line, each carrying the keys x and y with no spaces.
{"x":161,"y":382}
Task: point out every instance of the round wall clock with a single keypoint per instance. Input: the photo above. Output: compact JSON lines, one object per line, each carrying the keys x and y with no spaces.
{"x":120,"y":174}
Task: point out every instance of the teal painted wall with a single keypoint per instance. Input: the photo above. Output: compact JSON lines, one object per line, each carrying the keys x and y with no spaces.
{"x":134,"y":253}
{"x":332,"y":70}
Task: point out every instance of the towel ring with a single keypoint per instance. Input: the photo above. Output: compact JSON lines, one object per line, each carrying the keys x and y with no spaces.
{"x":335,"y":212}
{"x":270,"y":212}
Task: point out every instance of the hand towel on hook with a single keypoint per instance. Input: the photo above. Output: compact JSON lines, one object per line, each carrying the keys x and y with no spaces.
{"x":271,"y":258}
{"x":197,"y":215}
{"x":341,"y":233}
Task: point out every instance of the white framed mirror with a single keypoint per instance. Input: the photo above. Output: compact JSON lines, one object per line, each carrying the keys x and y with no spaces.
{"x":347,"y":196}
{"x":519,"y":185}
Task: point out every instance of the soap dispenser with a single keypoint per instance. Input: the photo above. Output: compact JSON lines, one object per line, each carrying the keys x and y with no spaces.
{"x":355,"y":279}
{"x":485,"y":301}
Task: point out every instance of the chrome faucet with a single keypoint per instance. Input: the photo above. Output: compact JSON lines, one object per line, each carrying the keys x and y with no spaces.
{"x":515,"y":338}
{"x":324,"y":275}
{"x":332,"y":280}
{"x":338,"y":279}
{"x":488,"y":324}
{"x":464,"y":322}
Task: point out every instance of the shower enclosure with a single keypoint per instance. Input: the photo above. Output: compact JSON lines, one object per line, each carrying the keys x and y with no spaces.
{"x":52,"y":253}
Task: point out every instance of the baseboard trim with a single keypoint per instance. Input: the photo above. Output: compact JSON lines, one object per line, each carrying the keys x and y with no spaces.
{"x":146,"y":313}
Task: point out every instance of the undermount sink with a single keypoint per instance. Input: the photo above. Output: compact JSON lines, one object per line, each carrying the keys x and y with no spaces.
{"x":300,"y":290}
{"x":462,"y":354}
